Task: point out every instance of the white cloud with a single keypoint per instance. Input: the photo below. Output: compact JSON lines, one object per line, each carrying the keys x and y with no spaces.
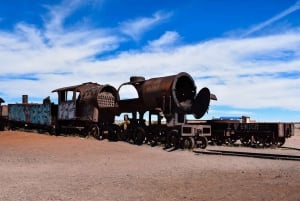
{"x":167,"y":40}
{"x":229,"y":67}
{"x":58,"y":14}
{"x":277,"y":17}
{"x":136,"y":28}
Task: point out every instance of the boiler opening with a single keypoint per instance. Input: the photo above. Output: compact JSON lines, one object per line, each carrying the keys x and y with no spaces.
{"x":185,"y":89}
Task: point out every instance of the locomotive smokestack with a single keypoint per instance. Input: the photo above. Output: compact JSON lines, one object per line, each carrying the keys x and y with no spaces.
{"x":25,"y":99}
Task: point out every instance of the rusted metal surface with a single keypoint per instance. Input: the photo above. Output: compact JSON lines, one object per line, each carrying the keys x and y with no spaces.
{"x":170,"y":94}
{"x":3,"y":110}
{"x":25,"y":99}
{"x":80,"y":88}
{"x":88,"y":102}
{"x":264,"y":133}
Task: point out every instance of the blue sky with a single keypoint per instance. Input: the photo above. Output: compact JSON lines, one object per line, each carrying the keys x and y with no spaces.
{"x":246,"y":52}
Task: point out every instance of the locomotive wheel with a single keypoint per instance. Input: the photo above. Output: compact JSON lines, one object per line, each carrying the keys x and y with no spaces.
{"x":173,"y":139}
{"x":139,"y":136}
{"x":189,"y":143}
{"x":219,"y":141}
{"x":153,"y":142}
{"x":114,"y":133}
{"x":151,"y":139}
{"x":57,"y":129}
{"x":123,"y":136}
{"x":95,"y":132}
{"x":203,"y":142}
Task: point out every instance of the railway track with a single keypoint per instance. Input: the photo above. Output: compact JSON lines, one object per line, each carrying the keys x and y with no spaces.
{"x":250,"y":154}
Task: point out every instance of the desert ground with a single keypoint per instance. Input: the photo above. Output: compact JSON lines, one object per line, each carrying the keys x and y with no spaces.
{"x":43,"y":167}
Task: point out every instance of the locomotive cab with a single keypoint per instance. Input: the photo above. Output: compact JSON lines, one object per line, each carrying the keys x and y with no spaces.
{"x":86,"y":105}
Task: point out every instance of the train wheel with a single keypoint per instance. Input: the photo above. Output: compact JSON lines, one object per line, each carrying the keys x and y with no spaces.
{"x":189,"y":143}
{"x":140,"y":135}
{"x":153,"y":142}
{"x":123,"y":136}
{"x":203,"y":142}
{"x":231,"y":141}
{"x":172,"y":139}
{"x":95,"y":132}
{"x":268,"y":142}
{"x":114,"y":133}
{"x":281,"y":141}
{"x":57,"y":129}
{"x":219,"y":141}
{"x":259,"y":141}
{"x":245,"y":140}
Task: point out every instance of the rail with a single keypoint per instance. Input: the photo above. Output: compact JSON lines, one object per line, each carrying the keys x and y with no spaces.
{"x":250,"y":154}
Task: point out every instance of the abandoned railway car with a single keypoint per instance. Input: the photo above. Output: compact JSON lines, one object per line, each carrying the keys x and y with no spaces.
{"x":257,"y":134}
{"x":3,"y":114}
{"x":89,"y":108}
{"x":32,"y":115}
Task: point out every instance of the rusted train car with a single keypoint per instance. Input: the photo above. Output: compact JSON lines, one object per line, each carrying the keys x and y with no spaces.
{"x":257,"y":134}
{"x":3,"y":114}
{"x":89,"y":108}
{"x":171,"y":97}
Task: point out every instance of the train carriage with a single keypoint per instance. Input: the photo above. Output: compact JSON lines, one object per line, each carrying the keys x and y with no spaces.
{"x":32,"y":115}
{"x":262,"y":134}
{"x":3,"y":114}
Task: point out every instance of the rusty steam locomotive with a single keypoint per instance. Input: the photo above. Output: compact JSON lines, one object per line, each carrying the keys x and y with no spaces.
{"x":91,"y":109}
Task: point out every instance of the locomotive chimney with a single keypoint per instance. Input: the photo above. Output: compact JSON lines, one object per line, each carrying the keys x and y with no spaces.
{"x":25,"y":99}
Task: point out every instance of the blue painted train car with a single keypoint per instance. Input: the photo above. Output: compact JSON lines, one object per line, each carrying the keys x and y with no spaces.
{"x":32,"y":115}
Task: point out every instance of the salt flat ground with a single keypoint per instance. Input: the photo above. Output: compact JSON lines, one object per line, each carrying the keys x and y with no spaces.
{"x":42,"y":167}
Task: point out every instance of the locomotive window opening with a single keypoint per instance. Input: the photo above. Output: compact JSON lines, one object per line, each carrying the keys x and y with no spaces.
{"x":77,"y":95}
{"x":181,"y":118}
{"x":69,"y":96}
{"x":64,"y":96}
{"x":61,"y":96}
{"x":156,"y":118}
{"x":128,"y":92}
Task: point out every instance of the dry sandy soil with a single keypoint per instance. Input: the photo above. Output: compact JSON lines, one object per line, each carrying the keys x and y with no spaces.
{"x":41,"y":167}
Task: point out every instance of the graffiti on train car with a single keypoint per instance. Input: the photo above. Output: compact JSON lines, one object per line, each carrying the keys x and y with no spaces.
{"x":30,"y":113}
{"x":66,"y":110}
